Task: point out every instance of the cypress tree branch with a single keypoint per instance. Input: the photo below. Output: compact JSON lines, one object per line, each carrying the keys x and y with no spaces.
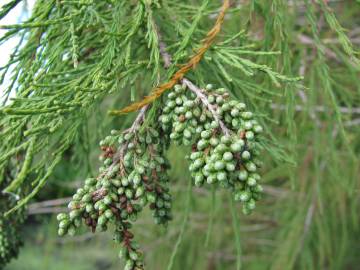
{"x":179,"y":74}
{"x":115,"y":48}
{"x":198,"y":92}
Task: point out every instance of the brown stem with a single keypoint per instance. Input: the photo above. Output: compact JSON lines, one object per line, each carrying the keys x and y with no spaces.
{"x":118,"y":156}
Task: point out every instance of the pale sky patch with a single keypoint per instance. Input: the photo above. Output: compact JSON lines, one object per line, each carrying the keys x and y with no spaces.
{"x":18,"y":14}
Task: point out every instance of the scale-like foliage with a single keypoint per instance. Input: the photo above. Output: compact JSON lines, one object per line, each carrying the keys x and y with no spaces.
{"x":76,"y":60}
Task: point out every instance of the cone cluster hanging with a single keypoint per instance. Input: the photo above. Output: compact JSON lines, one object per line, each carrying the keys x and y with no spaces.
{"x":223,"y":137}
{"x":128,"y":181}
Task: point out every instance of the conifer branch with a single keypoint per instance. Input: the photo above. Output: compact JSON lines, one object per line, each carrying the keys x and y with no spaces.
{"x":115,"y":47}
{"x":319,"y":108}
{"x":194,"y":60}
{"x":5,"y":9}
{"x":197,"y":91}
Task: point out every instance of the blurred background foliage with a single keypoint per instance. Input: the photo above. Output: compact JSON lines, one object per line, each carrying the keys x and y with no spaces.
{"x":309,"y":216}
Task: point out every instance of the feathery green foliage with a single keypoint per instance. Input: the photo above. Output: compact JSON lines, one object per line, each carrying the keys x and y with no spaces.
{"x":76,"y":60}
